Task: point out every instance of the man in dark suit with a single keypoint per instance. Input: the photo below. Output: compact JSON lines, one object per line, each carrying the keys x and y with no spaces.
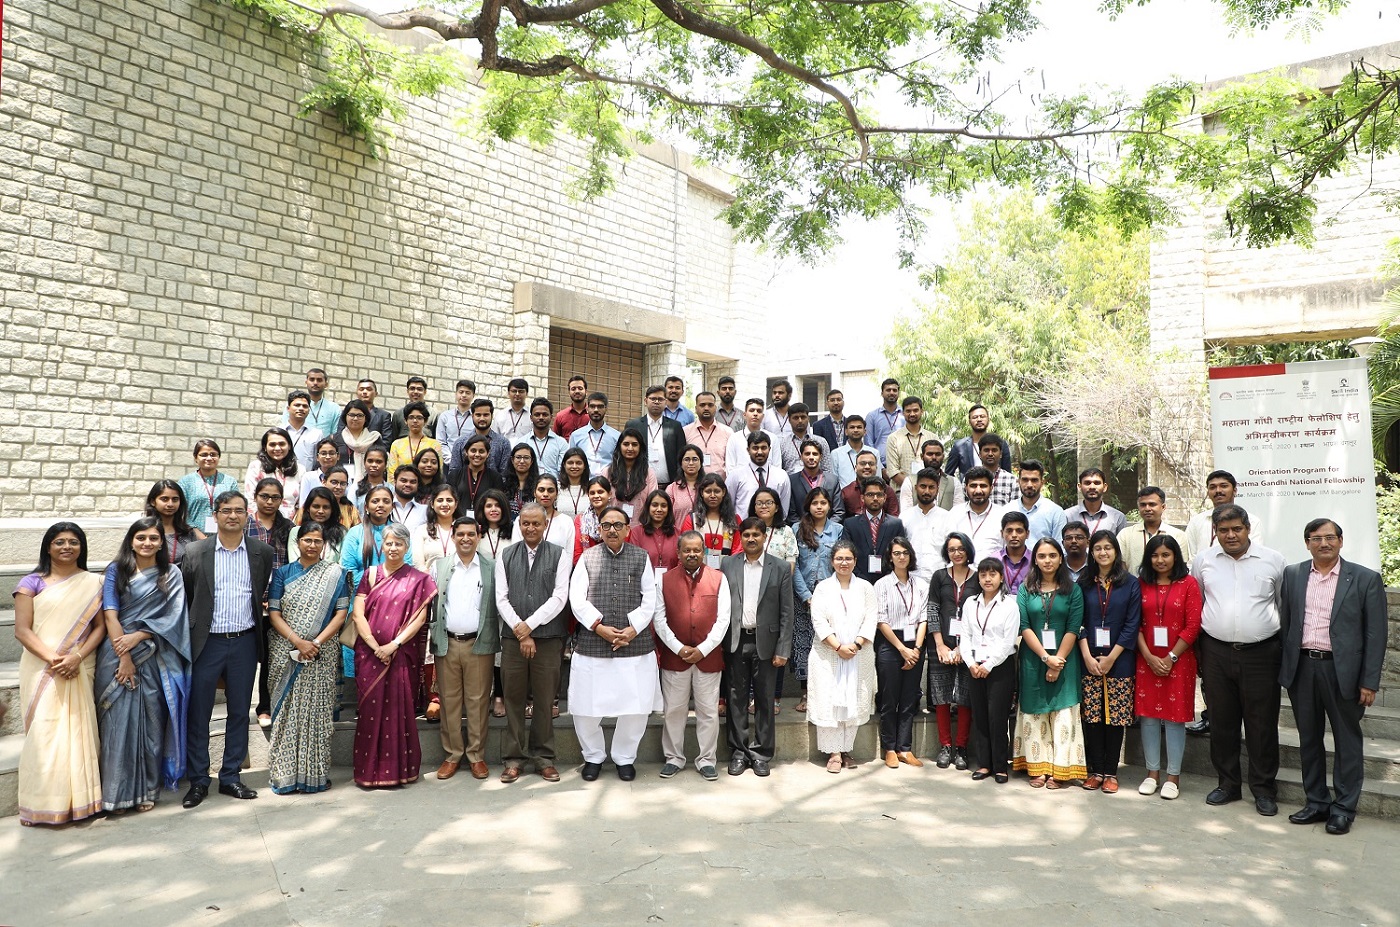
{"x":872,"y":530}
{"x":760,"y":642}
{"x":654,"y":427}
{"x":226,"y":578}
{"x":832,"y":426}
{"x":1333,"y":622}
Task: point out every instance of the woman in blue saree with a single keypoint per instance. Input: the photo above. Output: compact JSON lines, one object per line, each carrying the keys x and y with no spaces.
{"x":142,"y":678}
{"x":307,"y":602}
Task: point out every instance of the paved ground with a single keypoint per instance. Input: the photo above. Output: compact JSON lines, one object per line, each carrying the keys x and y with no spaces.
{"x":804,"y":847}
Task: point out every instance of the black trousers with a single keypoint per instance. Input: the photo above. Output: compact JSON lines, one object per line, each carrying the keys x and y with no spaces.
{"x":1103,"y":744}
{"x":898,"y":696}
{"x":747,"y":672}
{"x":1317,"y":702}
{"x":264,"y":703}
{"x":1241,"y":686}
{"x":991,"y":701}
{"x":236,"y":660}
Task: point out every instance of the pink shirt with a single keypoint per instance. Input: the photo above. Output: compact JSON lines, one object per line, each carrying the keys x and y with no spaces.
{"x":1317,"y":607}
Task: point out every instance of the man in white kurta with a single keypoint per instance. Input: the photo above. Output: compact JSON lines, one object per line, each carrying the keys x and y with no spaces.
{"x":613,"y":673}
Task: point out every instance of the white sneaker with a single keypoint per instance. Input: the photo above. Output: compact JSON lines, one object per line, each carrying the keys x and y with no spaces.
{"x":1148,"y":787}
{"x":1170,"y":790}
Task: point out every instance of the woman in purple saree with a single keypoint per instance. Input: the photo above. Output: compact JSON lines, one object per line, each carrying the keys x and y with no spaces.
{"x":391,"y":606}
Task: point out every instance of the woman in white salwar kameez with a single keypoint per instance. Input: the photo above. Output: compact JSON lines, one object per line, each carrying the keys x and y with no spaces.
{"x":840,"y":667}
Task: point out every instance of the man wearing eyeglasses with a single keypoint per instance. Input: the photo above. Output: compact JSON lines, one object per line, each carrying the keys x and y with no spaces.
{"x":1241,"y":586}
{"x":1332,"y":616}
{"x":226,"y":579}
{"x":613,"y":673}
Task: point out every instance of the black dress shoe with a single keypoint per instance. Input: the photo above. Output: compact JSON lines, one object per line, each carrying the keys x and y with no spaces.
{"x":1219,"y":796}
{"x":590,"y":771}
{"x":1338,"y":824}
{"x":1001,"y":778}
{"x":1200,"y":727}
{"x":627,"y":772}
{"x":236,"y":789}
{"x":737,"y":764}
{"x":1309,"y":815}
{"x":195,"y":795}
{"x":980,"y":774}
{"x":760,"y":767}
{"x":1266,"y":806}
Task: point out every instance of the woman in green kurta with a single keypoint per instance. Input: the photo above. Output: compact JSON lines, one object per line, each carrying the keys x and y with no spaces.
{"x":1049,"y":741}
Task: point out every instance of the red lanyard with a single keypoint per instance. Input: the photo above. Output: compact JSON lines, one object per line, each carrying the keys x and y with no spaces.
{"x":982,"y":622}
{"x":907,"y":603}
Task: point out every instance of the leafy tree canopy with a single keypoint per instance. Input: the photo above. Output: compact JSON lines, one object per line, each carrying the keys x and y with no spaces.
{"x":832,"y":108}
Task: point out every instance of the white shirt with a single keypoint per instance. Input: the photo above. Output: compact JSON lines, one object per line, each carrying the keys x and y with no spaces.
{"x":1241,"y":596}
{"x":588,"y":614}
{"x":1200,"y":534}
{"x":411,"y":514}
{"x":901,"y":605}
{"x":464,"y":597}
{"x":560,"y":530}
{"x":717,"y":633}
{"x":551,"y":607}
{"x":989,"y":632}
{"x":656,"y":449}
{"x":753,"y":588}
{"x":736,"y":453}
{"x":984,"y":529}
{"x":927,"y":532}
{"x":512,"y":425}
{"x":304,"y":443}
{"x":743,"y":483}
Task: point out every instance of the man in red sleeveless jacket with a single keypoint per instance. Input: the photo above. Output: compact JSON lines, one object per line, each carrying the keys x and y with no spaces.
{"x":690,"y":627}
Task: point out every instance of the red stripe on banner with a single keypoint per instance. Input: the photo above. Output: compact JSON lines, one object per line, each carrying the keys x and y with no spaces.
{"x":1252,"y":370}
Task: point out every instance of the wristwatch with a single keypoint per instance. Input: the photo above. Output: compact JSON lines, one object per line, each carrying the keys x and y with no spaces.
{"x":1172,"y":656}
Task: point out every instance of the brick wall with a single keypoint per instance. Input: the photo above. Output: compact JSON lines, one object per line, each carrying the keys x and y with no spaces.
{"x":177,"y":245}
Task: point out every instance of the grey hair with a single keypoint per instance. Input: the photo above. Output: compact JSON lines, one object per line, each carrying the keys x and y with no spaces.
{"x":398,"y":531}
{"x":534,"y":507}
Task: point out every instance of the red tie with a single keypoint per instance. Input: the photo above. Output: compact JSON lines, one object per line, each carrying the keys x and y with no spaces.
{"x":874,"y":533}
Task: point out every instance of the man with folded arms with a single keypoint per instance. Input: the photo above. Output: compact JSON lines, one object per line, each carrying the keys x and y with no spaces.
{"x":613,"y":671}
{"x":691,"y":624}
{"x":532,"y":588}
{"x":465,"y":636}
{"x":1332,"y":617}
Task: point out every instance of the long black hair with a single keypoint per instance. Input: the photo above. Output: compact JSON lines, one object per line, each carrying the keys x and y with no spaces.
{"x":726,"y":505}
{"x":180,"y":520}
{"x":500,"y":499}
{"x":289,"y":465}
{"x":1116,"y":574}
{"x":1180,"y":570}
{"x":1063,"y":582}
{"x":807,"y":525}
{"x":514,"y":487}
{"x":628,"y":481}
{"x":333,"y":531}
{"x":281,"y":524}
{"x":668,"y":524}
{"x":126,"y":554}
{"x":583,"y":477}
{"x":55,"y":529}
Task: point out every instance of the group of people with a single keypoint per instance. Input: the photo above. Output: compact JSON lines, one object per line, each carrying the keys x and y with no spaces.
{"x":447,"y":565}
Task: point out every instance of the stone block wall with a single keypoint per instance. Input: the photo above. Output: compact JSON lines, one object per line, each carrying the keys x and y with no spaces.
{"x":177,"y":245}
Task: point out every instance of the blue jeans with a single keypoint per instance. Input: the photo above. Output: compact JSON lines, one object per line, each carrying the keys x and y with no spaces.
{"x":1152,"y":729}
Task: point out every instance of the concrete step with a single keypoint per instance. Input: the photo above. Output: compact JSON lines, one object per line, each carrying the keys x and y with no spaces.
{"x":1381,"y":722}
{"x":10,"y":745}
{"x":9,"y":647}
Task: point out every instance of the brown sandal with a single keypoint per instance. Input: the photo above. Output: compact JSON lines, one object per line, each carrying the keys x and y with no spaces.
{"x":1054,"y":784}
{"x":1038,"y":782}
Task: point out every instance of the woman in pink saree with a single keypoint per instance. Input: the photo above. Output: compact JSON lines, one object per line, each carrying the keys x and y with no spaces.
{"x":391,"y":606}
{"x":57,"y":609}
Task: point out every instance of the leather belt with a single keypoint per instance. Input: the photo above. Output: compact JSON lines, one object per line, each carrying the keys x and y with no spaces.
{"x":1247,"y":646}
{"x":230,"y":635}
{"x":464,"y":638}
{"x":1316,"y":654}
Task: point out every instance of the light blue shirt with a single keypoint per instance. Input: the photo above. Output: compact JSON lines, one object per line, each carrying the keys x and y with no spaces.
{"x":1047,"y":519}
{"x":843,"y":463}
{"x":679,"y":414}
{"x":597,"y":445}
{"x":352,"y":552}
{"x":233,"y":590}
{"x":879,"y":426}
{"x":200,"y":496}
{"x":549,"y":451}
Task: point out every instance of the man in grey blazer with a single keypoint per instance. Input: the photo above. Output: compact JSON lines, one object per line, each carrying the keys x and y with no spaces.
{"x":760,"y":642}
{"x":1333,"y":623}
{"x":226,"y":578}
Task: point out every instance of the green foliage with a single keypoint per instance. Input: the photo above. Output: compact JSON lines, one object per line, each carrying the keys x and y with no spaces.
{"x":1017,"y":300}
{"x":1388,"y":515}
{"x":783,"y":94}
{"x":1222,"y":354}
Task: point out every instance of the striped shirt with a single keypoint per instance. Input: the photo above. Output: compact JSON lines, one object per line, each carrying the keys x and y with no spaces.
{"x":233,"y":589}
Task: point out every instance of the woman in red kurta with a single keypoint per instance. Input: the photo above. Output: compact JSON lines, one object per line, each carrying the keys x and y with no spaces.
{"x":1166,"y":674}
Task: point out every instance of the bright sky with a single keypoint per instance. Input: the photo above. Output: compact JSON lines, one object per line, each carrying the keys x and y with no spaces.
{"x":1077,"y":46}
